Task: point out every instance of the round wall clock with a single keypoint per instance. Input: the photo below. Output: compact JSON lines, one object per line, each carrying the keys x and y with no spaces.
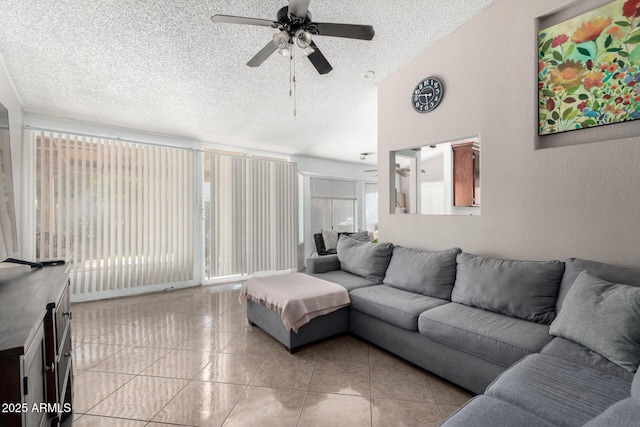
{"x":427,"y":95}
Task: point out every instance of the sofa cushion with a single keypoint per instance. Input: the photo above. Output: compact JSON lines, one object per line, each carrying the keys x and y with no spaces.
{"x":369,"y":260}
{"x":625,"y":413}
{"x":427,"y":273}
{"x":635,"y":386}
{"x":604,"y":317}
{"x":558,"y":391}
{"x":322,"y":264}
{"x":495,"y":337}
{"x":483,"y":411}
{"x":523,"y":289}
{"x":395,"y":306}
{"x":581,"y":355}
{"x":348,"y":280}
{"x":608,"y":272}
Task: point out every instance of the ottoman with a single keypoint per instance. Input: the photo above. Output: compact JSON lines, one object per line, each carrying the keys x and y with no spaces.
{"x":296,"y":309}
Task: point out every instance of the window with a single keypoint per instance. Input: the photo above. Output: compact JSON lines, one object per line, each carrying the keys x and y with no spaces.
{"x":122,"y":213}
{"x":371,"y":206}
{"x":333,"y":205}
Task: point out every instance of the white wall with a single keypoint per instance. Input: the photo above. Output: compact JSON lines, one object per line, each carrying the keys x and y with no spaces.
{"x":580,"y":200}
{"x":10,"y":100}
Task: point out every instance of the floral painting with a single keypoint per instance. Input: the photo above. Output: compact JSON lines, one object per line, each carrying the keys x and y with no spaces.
{"x":589,"y":69}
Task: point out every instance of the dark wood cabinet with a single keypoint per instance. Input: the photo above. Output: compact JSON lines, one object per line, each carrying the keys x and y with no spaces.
{"x":466,"y":174}
{"x":36,"y":381}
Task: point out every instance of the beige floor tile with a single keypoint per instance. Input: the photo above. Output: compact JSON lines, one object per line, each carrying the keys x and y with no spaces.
{"x":405,"y":383}
{"x":341,"y":377}
{"x":87,"y":355}
{"x":90,"y":388}
{"x":322,"y":410}
{"x":118,"y":334}
{"x":93,"y":421}
{"x":231,"y":323}
{"x":165,"y":338}
{"x":131,"y":360}
{"x":207,"y":340}
{"x":165,"y":425}
{"x":183,"y":364}
{"x":85,"y":333}
{"x":402,"y":413}
{"x":284,"y":370}
{"x":258,"y":344}
{"x":447,"y":410}
{"x":141,"y":398}
{"x":448,"y":393}
{"x":344,"y":349}
{"x":266,"y":407}
{"x":201,"y":403}
{"x":232,"y":368}
{"x":187,"y":320}
{"x":381,"y":357}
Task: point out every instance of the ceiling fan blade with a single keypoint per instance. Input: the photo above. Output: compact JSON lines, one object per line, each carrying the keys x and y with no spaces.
{"x":319,"y":61}
{"x":262,"y":56}
{"x":299,"y":8}
{"x":228,"y":19}
{"x":349,"y":31}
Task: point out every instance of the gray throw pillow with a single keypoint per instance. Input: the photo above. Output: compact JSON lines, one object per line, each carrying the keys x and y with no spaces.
{"x":635,"y":385}
{"x":368,"y":260}
{"x":609,"y":272}
{"x":604,"y":317}
{"x":360,"y":236}
{"x":330,"y":238}
{"x":428,"y":273}
{"x":523,"y":289}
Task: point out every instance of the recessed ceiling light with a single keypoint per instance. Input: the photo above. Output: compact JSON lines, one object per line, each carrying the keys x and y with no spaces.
{"x":368,"y":74}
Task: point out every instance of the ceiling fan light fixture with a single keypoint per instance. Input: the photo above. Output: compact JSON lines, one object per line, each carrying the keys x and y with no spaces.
{"x":308,"y":50}
{"x":281,"y":40}
{"x":302,"y":38}
{"x":286,"y":51}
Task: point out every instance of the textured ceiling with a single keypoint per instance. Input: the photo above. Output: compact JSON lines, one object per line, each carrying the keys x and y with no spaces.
{"x":162,"y":66}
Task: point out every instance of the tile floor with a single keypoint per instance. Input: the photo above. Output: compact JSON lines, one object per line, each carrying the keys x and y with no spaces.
{"x":188,"y":357}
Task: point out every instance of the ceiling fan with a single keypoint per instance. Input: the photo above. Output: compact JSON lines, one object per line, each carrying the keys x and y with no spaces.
{"x":296,"y":26}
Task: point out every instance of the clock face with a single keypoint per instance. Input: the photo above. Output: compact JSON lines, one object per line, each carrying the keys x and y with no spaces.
{"x":427,"y":95}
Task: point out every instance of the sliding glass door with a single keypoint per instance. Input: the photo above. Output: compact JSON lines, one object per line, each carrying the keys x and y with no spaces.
{"x":251,"y":216}
{"x":121,"y":213}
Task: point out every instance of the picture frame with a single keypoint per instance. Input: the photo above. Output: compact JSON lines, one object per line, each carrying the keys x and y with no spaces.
{"x":589,"y":69}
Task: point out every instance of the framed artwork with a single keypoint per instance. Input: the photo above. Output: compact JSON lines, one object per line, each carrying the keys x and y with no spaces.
{"x":589,"y":69}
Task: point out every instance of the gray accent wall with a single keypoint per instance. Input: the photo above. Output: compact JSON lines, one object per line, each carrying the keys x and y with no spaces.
{"x":576,"y":200}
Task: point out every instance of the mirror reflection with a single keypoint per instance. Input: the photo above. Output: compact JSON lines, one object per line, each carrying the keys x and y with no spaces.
{"x":437,"y":179}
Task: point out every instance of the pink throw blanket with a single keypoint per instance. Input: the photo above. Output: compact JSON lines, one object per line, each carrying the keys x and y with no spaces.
{"x":297,"y":297}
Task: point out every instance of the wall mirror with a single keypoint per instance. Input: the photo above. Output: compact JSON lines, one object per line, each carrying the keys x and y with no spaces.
{"x":437,"y":179}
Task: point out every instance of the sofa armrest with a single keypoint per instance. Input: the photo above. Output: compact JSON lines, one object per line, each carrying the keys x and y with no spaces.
{"x":322,"y":264}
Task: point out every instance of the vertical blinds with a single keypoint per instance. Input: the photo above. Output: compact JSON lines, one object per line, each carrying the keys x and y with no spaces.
{"x":253,"y":217}
{"x":121,"y":212}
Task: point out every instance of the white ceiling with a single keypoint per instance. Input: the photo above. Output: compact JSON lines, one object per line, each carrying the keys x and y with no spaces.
{"x":162,"y":66}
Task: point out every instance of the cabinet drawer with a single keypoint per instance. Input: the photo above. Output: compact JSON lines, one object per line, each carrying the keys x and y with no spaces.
{"x":64,"y":362}
{"x":63,"y":315}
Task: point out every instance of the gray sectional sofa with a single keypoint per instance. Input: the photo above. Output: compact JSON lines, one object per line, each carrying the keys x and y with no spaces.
{"x":541,"y":354}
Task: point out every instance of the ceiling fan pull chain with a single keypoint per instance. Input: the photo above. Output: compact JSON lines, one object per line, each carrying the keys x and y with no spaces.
{"x":295,"y":98}
{"x":290,"y":73}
